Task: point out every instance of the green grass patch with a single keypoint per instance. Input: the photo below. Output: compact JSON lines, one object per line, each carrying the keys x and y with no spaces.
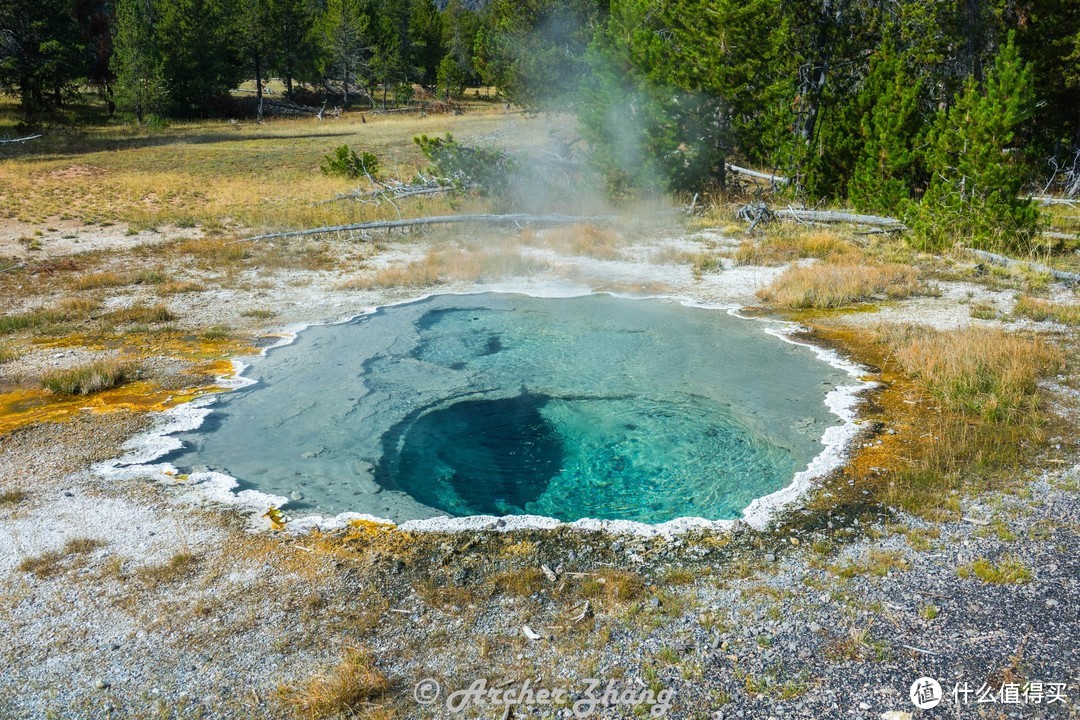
{"x":140,"y":314}
{"x":90,"y":378}
{"x":1043,"y":310}
{"x":983,"y":372}
{"x":47,"y":319}
{"x":1010,"y":570}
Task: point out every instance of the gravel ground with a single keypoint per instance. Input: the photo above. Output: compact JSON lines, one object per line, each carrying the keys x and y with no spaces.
{"x":138,"y":599}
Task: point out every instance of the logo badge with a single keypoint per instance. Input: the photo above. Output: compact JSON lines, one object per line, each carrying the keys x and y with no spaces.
{"x":926,"y":693}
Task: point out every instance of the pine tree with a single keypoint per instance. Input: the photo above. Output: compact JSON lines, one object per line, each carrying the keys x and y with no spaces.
{"x":973,"y":195}
{"x":885,"y":172}
{"x":139,"y":88}
{"x":42,"y":54}
{"x":257,"y":41}
{"x":293,"y":28}
{"x":344,"y":32}
{"x":201,"y":52}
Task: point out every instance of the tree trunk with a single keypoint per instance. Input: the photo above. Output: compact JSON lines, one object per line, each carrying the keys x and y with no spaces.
{"x":345,"y":83}
{"x":258,"y":84}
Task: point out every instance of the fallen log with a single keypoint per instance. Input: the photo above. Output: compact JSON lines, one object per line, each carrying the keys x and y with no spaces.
{"x":833,"y":216}
{"x":1009,"y":262}
{"x":514,"y":219}
{"x":755,"y":211}
{"x":773,"y":179}
{"x":7,"y":141}
{"x":1047,"y":200}
{"x":394,"y":193}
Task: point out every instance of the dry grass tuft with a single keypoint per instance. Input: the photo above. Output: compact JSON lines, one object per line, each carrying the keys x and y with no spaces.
{"x":216,"y":250}
{"x":963,"y":409}
{"x":9,"y":353}
{"x":827,"y":285}
{"x":141,"y":314}
{"x":52,"y":562}
{"x":450,"y":264}
{"x":1044,"y":310}
{"x":12,"y":497}
{"x":91,"y":378}
{"x":175,"y":568}
{"x":94,"y":281}
{"x":344,"y":690}
{"x":43,"y":320}
{"x":176,"y":287}
{"x":986,"y":372}
{"x":581,"y":241}
{"x":520,"y":582}
{"x":617,"y":586}
{"x":785,"y":245}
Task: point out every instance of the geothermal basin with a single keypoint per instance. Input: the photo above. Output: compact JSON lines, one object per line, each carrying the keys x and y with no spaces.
{"x":500,"y":404}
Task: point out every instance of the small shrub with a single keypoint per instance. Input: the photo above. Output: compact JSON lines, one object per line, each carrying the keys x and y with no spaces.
{"x":825,"y":285}
{"x":259,"y":313}
{"x":347,"y":163}
{"x":488,"y":170}
{"x":91,"y":378}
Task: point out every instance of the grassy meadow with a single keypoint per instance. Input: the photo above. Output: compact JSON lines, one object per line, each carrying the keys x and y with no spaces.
{"x":229,"y":177}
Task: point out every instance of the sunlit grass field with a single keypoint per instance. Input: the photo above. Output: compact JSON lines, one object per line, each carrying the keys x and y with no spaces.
{"x":232,"y":176}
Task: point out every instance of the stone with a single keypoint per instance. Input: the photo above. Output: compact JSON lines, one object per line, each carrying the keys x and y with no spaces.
{"x":102,"y":684}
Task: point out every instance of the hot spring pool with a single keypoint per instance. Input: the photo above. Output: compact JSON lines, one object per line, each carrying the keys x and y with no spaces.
{"x":504,"y":404}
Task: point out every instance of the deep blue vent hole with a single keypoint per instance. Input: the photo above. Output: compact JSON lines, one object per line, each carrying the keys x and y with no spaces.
{"x":474,"y":457}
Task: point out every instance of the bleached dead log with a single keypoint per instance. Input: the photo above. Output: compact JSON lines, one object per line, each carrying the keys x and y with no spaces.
{"x":755,"y":212}
{"x":9,"y":141}
{"x":1060,"y":235}
{"x":396,"y":193}
{"x":513,"y":219}
{"x":834,"y":216}
{"x":770,"y":178}
{"x":1047,"y":200}
{"x":1009,"y":262}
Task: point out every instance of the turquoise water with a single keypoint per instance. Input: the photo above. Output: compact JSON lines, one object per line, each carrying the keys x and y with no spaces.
{"x":504,"y":404}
